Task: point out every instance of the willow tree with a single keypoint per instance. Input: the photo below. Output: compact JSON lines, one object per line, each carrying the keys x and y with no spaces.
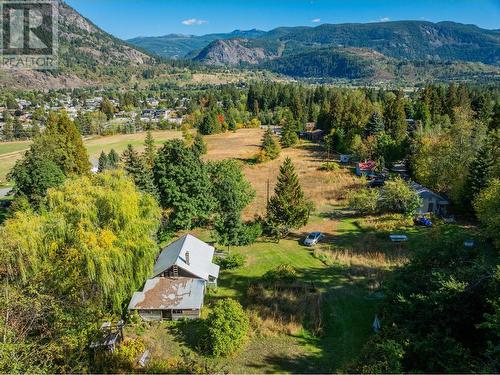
{"x":93,"y":243}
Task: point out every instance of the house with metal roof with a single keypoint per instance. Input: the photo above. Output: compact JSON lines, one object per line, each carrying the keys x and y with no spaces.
{"x":431,"y":202}
{"x":188,"y":257}
{"x":181,"y":274}
{"x":169,"y":298}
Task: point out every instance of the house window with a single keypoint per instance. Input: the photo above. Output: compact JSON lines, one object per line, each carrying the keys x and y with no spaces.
{"x":176,"y":311}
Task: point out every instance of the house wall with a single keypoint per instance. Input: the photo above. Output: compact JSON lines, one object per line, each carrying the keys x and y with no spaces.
{"x":156,"y":315}
{"x":150,"y":315}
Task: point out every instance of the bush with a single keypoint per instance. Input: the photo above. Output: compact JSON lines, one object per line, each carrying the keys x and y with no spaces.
{"x":226,"y":328}
{"x":329,"y":166}
{"x":397,"y":196}
{"x":365,"y":200}
{"x":230,"y":261}
{"x":283,"y":272}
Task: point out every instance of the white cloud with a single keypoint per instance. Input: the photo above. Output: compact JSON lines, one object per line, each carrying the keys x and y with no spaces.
{"x":316,"y":20}
{"x":384,"y":19}
{"x":193,"y":21}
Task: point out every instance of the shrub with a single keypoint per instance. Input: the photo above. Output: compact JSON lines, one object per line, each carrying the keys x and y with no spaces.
{"x":329,"y":166}
{"x":365,"y":200}
{"x":397,"y":196}
{"x":230,"y":261}
{"x":226,"y":328}
{"x":283,"y":272}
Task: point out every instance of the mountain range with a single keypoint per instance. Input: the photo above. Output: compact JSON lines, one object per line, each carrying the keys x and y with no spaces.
{"x":352,"y":51}
{"x":400,"y":52}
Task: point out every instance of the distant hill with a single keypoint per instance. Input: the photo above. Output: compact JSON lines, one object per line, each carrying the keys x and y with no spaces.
{"x":384,"y":50}
{"x":177,"y":46}
{"x":87,"y":55}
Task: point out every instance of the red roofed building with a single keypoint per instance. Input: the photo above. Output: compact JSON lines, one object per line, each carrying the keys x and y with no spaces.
{"x":366,"y":168}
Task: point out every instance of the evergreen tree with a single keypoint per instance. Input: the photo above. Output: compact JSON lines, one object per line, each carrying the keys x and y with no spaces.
{"x":395,"y":117}
{"x":199,"y":146}
{"x":479,"y":173}
{"x":103,"y":163}
{"x":270,"y":149}
{"x":149,"y":150}
{"x":375,"y":125}
{"x":289,"y":136}
{"x":136,"y":167}
{"x":8,"y":132}
{"x":18,"y":129}
{"x":107,"y":108}
{"x":113,"y":159}
{"x":288,"y":208}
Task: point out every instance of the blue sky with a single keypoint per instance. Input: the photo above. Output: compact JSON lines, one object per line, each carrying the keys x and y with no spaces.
{"x":130,"y":18}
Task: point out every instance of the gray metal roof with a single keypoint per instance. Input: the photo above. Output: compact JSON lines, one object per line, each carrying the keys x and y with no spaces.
{"x":200,"y":257}
{"x":164,"y":293}
{"x":426,"y":193}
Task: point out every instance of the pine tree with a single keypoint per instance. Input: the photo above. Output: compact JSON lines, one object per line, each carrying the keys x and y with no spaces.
{"x":18,"y":129}
{"x":149,"y":150}
{"x":479,"y":174}
{"x":199,"y":146}
{"x":103,"y":163}
{"x":8,"y":132}
{"x":135,"y":166}
{"x":289,"y":136}
{"x":288,"y":208}
{"x":113,"y":159}
{"x":375,"y":125}
{"x":270,"y":149}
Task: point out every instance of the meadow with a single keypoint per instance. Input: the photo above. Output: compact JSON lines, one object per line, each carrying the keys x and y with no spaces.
{"x":301,"y":332}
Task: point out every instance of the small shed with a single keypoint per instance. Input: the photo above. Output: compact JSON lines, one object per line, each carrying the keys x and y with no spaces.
{"x":110,"y":336}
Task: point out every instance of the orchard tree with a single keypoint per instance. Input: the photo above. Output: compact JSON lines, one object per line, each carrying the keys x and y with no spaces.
{"x":287,"y":208}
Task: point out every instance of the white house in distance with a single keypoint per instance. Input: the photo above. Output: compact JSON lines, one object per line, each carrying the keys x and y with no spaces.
{"x":180,"y":277}
{"x":431,"y":202}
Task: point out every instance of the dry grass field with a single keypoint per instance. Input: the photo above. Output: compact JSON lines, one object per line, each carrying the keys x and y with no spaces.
{"x":322,"y":187}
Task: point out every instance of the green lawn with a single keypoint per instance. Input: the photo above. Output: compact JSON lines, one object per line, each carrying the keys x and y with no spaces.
{"x":8,"y":147}
{"x":348,"y":309}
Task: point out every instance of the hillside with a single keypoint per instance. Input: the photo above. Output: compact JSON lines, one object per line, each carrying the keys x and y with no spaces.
{"x":410,"y":51}
{"x":176,"y":46}
{"x":87,"y":55}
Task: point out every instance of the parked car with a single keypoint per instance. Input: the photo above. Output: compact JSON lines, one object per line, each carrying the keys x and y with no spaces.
{"x":423,"y":221}
{"x":313,"y":238}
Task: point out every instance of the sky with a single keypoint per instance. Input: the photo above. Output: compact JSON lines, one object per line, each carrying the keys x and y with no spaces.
{"x":130,"y":18}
